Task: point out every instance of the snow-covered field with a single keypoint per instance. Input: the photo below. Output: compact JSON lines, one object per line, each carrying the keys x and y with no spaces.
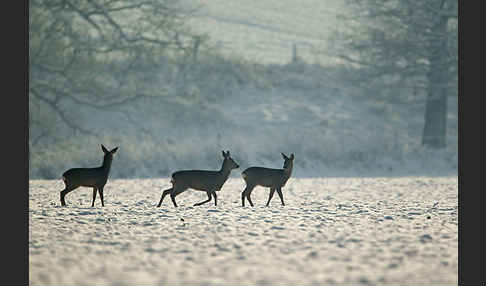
{"x":332,"y":231}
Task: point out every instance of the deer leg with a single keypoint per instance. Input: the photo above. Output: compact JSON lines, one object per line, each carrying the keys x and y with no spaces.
{"x":215,"y":198}
{"x":279,"y":192}
{"x":209,"y":199}
{"x":248,"y":193}
{"x":245,"y":193}
{"x":272,"y":190}
{"x":164,"y":193}
{"x":172,"y":197}
{"x":64,"y":192}
{"x":173,"y":194}
{"x":100,"y":190}
{"x":94,"y":196}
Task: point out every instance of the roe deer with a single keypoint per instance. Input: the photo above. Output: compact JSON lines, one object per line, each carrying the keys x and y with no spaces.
{"x":274,"y":179}
{"x":88,"y":177}
{"x":200,"y":180}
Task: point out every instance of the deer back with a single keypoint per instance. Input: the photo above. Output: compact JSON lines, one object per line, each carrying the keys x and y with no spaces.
{"x":266,"y":177}
{"x":197,"y":179}
{"x":85,"y":177}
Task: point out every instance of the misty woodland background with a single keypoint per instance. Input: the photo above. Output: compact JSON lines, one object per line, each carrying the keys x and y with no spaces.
{"x":351,"y":88}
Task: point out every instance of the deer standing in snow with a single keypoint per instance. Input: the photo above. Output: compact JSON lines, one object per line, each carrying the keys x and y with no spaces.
{"x":274,"y":179}
{"x":89,"y":177}
{"x":200,"y":180}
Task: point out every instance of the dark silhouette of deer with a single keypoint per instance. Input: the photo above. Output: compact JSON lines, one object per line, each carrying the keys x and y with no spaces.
{"x":200,"y":180}
{"x":274,"y":179}
{"x":89,"y":177}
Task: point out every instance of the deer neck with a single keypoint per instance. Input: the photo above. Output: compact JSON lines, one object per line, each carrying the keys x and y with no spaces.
{"x":287,"y":172}
{"x":106,"y":164}
{"x":225,"y":171}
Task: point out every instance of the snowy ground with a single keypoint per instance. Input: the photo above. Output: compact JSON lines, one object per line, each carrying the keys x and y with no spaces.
{"x":332,"y":231}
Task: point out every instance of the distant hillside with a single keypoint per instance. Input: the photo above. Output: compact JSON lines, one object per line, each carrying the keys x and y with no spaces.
{"x":264,"y":31}
{"x":256,"y":112}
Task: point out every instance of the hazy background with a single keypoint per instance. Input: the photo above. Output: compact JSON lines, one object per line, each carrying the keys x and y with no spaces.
{"x":343,"y":86}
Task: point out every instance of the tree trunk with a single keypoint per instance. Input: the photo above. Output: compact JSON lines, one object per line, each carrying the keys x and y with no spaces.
{"x":434,"y":133}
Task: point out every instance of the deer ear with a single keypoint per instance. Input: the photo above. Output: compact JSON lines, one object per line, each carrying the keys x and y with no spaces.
{"x":284,"y":156}
{"x":227,"y":153}
{"x":114,"y":150}
{"x":104,"y":149}
{"x":292,"y":156}
{"x":224,"y":154}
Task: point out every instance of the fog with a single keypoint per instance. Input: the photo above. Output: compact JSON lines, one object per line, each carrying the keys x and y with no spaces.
{"x":256,"y":78}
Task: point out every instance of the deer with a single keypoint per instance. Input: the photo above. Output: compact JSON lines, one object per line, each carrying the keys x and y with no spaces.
{"x":200,"y":180}
{"x":95,"y":178}
{"x":275,"y":179}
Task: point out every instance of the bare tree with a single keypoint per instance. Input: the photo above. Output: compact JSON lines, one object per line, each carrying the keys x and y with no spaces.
{"x":413,"y":41}
{"x":100,"y":54}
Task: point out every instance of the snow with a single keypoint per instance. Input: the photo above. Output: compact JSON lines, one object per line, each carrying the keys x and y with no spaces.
{"x":332,"y":231}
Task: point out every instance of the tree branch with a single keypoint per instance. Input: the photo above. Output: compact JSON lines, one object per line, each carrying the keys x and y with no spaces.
{"x":53,"y":105}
